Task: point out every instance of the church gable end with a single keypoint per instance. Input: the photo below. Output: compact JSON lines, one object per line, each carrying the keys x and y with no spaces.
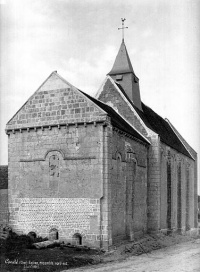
{"x":55,"y":102}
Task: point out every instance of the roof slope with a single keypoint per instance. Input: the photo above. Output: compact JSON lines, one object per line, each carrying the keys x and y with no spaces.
{"x":189,"y":148}
{"x":3,"y":177}
{"x":117,"y":120}
{"x":159,"y":125}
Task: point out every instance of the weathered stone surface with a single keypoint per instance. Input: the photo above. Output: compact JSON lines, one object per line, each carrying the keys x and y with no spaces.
{"x":74,"y":172}
{"x":55,"y":102}
{"x":3,"y":206}
{"x":46,"y":244}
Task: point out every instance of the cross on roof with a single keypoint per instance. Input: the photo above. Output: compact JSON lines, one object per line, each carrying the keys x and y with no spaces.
{"x":122,"y":28}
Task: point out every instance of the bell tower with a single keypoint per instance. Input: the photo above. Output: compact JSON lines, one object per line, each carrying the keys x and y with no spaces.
{"x":122,"y":72}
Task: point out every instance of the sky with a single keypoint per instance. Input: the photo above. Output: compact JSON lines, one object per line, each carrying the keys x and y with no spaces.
{"x":80,"y":40}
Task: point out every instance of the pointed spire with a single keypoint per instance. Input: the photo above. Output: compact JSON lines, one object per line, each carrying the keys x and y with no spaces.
{"x":122,"y":71}
{"x":122,"y":62}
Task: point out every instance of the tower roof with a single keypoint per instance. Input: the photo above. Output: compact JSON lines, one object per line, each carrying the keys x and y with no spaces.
{"x":122,"y":64}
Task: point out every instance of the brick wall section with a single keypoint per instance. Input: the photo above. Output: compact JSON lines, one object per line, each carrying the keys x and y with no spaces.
{"x":56,"y":103}
{"x":79,"y":152}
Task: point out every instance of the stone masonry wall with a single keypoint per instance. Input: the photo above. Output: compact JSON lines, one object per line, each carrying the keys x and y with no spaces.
{"x":180,"y":164}
{"x":128,"y":187}
{"x":111,"y":96}
{"x":55,"y":102}
{"x":106,"y":220}
{"x":4,"y":215}
{"x":55,"y":181}
{"x":153,"y":187}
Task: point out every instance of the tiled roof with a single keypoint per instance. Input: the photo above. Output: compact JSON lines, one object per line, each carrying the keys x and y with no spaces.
{"x":117,"y":121}
{"x":3,"y":177}
{"x":159,"y":125}
{"x":188,"y":147}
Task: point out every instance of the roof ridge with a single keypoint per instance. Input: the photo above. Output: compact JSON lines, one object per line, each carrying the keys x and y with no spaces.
{"x":180,"y":136}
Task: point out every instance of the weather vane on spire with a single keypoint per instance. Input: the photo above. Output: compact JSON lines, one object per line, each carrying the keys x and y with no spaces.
{"x":122,"y":28}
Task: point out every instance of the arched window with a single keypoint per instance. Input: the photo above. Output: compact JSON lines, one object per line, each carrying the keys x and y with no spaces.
{"x":32,"y":235}
{"x":77,"y":238}
{"x":54,"y":166}
{"x":169,"y":192}
{"x":134,"y":164}
{"x":53,"y":234}
{"x":179,"y":202}
{"x":118,"y":167}
{"x":54,"y":172}
{"x":187,"y":206}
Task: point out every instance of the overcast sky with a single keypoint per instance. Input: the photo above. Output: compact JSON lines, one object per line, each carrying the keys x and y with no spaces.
{"x":80,"y":39}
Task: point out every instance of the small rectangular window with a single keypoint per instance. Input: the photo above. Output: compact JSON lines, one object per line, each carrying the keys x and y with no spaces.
{"x":119,"y":77}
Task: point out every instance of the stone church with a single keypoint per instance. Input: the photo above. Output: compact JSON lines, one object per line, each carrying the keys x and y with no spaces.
{"x":97,"y":171}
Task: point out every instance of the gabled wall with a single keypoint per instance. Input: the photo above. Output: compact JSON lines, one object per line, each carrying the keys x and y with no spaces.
{"x":55,"y":181}
{"x":55,"y":102}
{"x":55,"y":146}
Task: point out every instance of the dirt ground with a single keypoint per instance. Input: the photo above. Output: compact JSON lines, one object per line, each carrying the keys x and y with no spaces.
{"x":151,"y":253}
{"x":184,"y":257}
